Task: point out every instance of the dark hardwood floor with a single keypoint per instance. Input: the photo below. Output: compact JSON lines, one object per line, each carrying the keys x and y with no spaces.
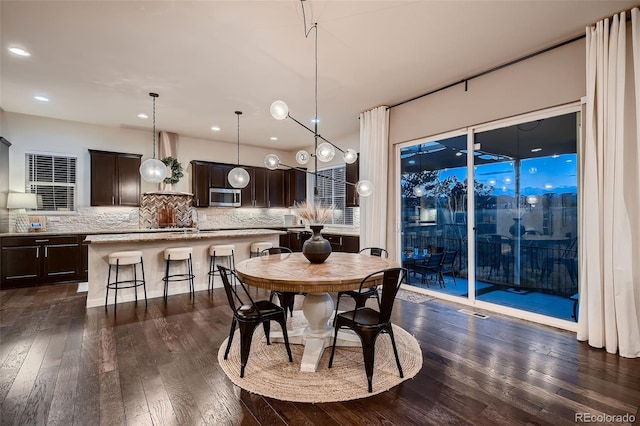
{"x":61,"y":363}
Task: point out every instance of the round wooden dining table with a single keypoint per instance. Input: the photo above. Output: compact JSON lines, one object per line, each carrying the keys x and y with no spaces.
{"x":292,"y":272}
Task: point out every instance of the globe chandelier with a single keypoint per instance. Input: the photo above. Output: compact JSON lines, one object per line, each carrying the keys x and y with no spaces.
{"x":153,"y":170}
{"x":238,"y":177}
{"x":324,"y":151}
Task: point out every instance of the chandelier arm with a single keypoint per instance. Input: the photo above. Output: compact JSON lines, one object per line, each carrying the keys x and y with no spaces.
{"x":318,"y":135}
{"x":319,"y":175}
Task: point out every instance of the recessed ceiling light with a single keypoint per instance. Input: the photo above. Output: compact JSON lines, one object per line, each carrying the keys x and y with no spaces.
{"x":19,"y":51}
{"x":569,"y":161}
{"x":273,"y":138}
{"x":555,"y":156}
{"x":458,"y":154}
{"x":412,"y":161}
{"x":215,"y":128}
{"x":40,"y":98}
{"x":536,"y":149}
{"x":142,"y":115}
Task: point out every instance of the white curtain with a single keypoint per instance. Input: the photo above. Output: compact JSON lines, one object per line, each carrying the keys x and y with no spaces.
{"x":610,"y":177}
{"x":374,"y":153}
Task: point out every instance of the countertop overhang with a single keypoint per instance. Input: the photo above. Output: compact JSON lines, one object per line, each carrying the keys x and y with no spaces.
{"x":173,"y":236}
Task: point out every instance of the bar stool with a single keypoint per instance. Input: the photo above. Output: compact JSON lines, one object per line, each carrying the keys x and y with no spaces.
{"x":174,"y":255}
{"x":124,"y":258}
{"x":217,"y":253}
{"x":258,"y":246}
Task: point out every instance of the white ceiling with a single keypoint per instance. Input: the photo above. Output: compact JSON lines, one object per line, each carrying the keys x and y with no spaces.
{"x":98,"y":60}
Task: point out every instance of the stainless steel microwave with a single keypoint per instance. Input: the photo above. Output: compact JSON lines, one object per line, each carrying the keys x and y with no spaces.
{"x":223,"y":197}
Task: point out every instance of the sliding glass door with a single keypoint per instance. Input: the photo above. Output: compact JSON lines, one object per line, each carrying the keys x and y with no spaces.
{"x":524,"y":207}
{"x":526,"y":229}
{"x":434,"y":217}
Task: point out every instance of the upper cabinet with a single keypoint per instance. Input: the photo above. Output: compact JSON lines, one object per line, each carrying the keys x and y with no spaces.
{"x":115,"y":178}
{"x":296,"y":183}
{"x":352,"y":175}
{"x":200,"y":182}
{"x":276,"y":189}
{"x":266,"y":188}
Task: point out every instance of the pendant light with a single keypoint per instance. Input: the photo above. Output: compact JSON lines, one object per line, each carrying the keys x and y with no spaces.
{"x":324,"y":151}
{"x":153,"y":170}
{"x":238,"y":177}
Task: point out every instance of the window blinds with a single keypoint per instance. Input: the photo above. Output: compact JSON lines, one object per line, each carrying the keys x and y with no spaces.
{"x":52,"y":177}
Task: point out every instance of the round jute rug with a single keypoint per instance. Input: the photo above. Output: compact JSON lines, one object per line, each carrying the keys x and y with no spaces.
{"x":269,"y":372}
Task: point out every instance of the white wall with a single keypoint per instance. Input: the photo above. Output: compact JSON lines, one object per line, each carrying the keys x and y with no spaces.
{"x":32,"y":133}
{"x":553,"y":78}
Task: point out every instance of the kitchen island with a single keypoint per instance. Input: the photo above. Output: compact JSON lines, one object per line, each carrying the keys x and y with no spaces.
{"x":152,"y":246}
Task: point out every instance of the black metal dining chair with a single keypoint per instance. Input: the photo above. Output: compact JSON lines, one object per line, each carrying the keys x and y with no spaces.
{"x":286,"y":298}
{"x":360,"y":297}
{"x":249,"y":314}
{"x":368,"y":323}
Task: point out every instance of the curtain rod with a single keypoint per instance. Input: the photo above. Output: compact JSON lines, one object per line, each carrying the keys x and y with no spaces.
{"x":515,"y":61}
{"x":481,"y":73}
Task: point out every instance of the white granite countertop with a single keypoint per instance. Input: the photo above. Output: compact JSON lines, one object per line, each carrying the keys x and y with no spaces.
{"x":173,"y":236}
{"x":354,"y":232}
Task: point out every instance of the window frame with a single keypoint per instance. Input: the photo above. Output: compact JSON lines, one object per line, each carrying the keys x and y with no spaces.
{"x":71,"y":180}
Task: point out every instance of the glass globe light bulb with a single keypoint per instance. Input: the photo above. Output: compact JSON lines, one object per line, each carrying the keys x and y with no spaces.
{"x":302,"y":157}
{"x":271,"y":161}
{"x":279,"y":110}
{"x":325,"y":152}
{"x":350,"y":156}
{"x":418,"y":191}
{"x":238,"y":177}
{"x":153,"y":170}
{"x":364,"y":188}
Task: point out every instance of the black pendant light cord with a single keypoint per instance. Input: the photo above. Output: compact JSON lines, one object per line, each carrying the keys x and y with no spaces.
{"x":238,"y":113}
{"x":315,"y":118}
{"x":154,"y":96}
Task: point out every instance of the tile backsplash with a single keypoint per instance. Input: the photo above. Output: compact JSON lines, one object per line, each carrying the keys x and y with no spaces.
{"x":130,"y":219}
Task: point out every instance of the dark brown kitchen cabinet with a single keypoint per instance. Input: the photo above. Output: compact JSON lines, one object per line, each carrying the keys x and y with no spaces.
{"x":115,"y":178}
{"x":275,"y":189}
{"x":296,"y":183}
{"x":219,"y":175}
{"x":297,"y":239}
{"x":350,"y":244}
{"x":352,"y":174}
{"x":343,"y":243}
{"x":255,"y":193}
{"x":200,"y":178}
{"x":28,"y":261}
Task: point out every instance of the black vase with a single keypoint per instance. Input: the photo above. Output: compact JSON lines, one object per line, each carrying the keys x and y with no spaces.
{"x":316,"y":249}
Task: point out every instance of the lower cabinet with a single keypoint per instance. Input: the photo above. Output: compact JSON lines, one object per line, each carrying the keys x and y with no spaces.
{"x":344,"y":243}
{"x":28,"y":261}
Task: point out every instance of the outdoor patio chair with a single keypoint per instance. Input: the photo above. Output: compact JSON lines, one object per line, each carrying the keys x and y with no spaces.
{"x":447,"y":266}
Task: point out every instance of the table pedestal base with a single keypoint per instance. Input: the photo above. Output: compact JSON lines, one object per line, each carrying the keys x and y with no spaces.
{"x":318,"y":334}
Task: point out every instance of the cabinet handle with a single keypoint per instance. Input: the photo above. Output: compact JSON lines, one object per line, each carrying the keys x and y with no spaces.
{"x":42,"y":241}
{"x":38,"y":252}
{"x":46,"y":251}
{"x":113,"y":200}
{"x":120,"y":200}
{"x":198,"y":202}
